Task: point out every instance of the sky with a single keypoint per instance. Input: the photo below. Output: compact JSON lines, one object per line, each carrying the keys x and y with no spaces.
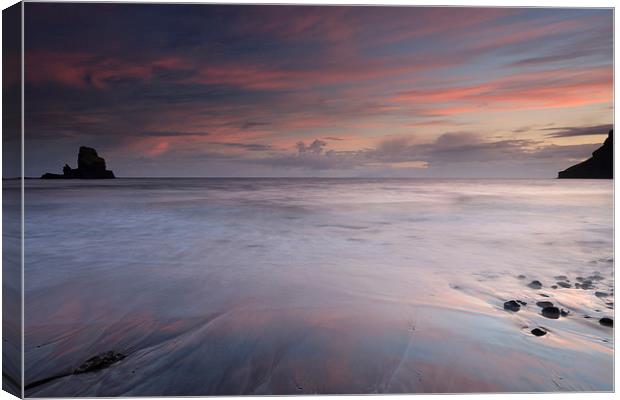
{"x":330,"y":91}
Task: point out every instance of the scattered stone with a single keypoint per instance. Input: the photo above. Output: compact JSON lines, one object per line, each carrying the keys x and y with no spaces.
{"x":564,"y":313}
{"x":551,"y":312}
{"x":564,"y":284}
{"x":538,"y":332}
{"x":512,"y":305}
{"x":606,"y":322}
{"x":523,"y":303}
{"x":577,"y":285}
{"x":560,"y":277}
{"x":596,"y":277}
{"x":554,"y":286}
{"x":579,"y":278}
{"x":586,"y":284}
{"x":543,"y":304}
{"x":99,"y":361}
{"x":587,"y":316}
{"x":535,"y":285}
{"x":544,"y":295}
{"x":600,"y":294}
{"x":521,"y":277}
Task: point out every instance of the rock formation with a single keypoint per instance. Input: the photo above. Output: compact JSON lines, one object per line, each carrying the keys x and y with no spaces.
{"x":90,"y":166}
{"x":599,"y":166}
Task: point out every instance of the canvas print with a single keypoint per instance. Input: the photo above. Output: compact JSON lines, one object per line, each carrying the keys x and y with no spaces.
{"x":289,"y":200}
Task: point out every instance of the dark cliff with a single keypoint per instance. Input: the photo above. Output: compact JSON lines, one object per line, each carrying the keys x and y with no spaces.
{"x":90,"y":166}
{"x":599,"y":166}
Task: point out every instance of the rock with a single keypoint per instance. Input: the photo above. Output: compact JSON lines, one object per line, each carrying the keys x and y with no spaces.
{"x":560,"y":277}
{"x":595,"y":277}
{"x":551,"y":312}
{"x":538,"y":332}
{"x":564,"y":313}
{"x":579,"y":279}
{"x":543,"y":295}
{"x":586,"y":284}
{"x":521,"y":277}
{"x":535,"y":285}
{"x":606,"y":322}
{"x":512,"y":305}
{"x":523,"y":303}
{"x":600,"y":294}
{"x":543,"y":304}
{"x":554,"y":286}
{"x":599,"y":166}
{"x":563,"y":284}
{"x":99,"y":361}
{"x":577,"y":285}
{"x":90,"y":166}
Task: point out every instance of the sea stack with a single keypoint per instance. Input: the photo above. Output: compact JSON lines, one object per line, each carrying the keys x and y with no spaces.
{"x":90,"y":166}
{"x":599,"y":166}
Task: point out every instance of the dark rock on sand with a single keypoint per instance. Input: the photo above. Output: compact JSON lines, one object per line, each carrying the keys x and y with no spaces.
{"x":554,"y":286}
{"x":560,"y":277}
{"x":564,"y":284}
{"x":523,"y":303}
{"x":90,"y":166}
{"x":99,"y":361}
{"x":538,"y":332}
{"x":521,"y":277}
{"x":543,"y":304}
{"x":606,"y":322}
{"x":596,"y":277}
{"x":586,"y":284}
{"x":551,"y":312}
{"x":512,"y":305}
{"x":599,"y":166}
{"x":564,"y":313}
{"x":579,"y":279}
{"x":535,"y":285}
{"x":601,"y":294}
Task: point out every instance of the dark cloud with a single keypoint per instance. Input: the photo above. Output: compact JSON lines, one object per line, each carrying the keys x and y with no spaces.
{"x":247,"y":146}
{"x":571,"y":131}
{"x":253,"y":124}
{"x":174,"y":133}
{"x":316,"y":147}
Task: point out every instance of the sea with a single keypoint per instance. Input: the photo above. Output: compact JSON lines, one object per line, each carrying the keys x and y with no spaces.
{"x":218,"y":286}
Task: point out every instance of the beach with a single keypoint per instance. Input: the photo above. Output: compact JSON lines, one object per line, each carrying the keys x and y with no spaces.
{"x":332,"y":286}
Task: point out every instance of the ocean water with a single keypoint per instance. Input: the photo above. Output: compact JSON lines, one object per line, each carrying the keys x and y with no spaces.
{"x":298,"y":286}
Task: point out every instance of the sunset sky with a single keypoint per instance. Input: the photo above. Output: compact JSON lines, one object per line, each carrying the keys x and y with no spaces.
{"x":205,"y":90}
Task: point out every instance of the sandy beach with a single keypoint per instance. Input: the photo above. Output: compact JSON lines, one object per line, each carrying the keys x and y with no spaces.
{"x":216,"y":286}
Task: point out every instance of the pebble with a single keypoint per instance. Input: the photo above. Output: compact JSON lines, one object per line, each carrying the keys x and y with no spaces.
{"x":535,"y":285}
{"x":551,"y":312}
{"x":538,"y":332}
{"x":606,"y":322}
{"x":564,"y":284}
{"x":512,"y":305}
{"x":543,"y":304}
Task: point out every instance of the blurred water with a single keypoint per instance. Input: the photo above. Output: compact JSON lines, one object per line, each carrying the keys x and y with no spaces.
{"x":226,"y":286}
